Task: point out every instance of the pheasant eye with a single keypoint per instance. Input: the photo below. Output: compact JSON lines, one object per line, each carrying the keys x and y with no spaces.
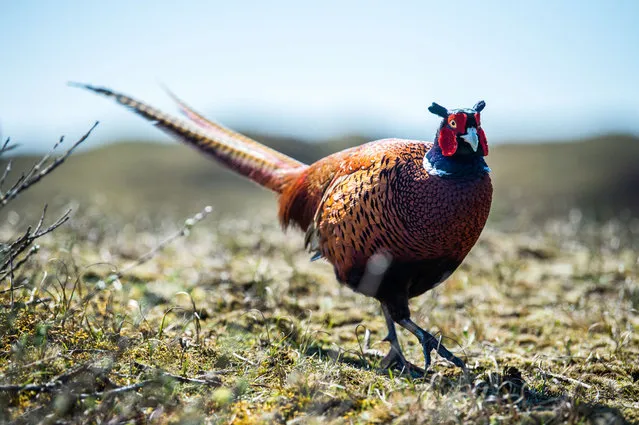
{"x":452,"y":124}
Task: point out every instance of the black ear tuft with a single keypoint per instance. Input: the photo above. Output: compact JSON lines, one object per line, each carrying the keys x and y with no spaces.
{"x":479,"y":106}
{"x":438,"y":110}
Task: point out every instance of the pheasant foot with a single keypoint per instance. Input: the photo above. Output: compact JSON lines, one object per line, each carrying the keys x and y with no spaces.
{"x":430,"y":343}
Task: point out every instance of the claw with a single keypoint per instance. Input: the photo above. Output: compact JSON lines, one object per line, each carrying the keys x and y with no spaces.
{"x":429,"y":343}
{"x":395,"y":359}
{"x":443,"y":351}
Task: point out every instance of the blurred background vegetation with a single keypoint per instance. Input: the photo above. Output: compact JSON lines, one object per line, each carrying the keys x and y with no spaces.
{"x":596,"y":178}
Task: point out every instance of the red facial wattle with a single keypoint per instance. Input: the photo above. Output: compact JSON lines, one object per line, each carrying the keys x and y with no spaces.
{"x":482,"y":136}
{"x":455,"y":124}
{"x":447,"y":141}
{"x":482,"y":140}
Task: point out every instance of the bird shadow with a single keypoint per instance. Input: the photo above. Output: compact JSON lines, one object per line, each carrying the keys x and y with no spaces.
{"x":507,"y":388}
{"x":504,"y":388}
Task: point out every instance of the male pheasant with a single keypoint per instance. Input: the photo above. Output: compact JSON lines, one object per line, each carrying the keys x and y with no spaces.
{"x":394,"y":217}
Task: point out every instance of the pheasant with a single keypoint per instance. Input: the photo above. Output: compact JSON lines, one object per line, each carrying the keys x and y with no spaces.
{"x":394,"y":217}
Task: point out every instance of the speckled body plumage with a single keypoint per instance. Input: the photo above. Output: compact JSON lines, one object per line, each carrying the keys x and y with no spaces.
{"x":378,"y":198}
{"x":394,"y":217}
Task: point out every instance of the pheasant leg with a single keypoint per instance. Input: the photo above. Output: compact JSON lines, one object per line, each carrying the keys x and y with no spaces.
{"x":430,"y":343}
{"x":395,"y":356}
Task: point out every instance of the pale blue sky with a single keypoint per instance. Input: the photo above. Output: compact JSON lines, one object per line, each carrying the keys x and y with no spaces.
{"x":547,"y":69}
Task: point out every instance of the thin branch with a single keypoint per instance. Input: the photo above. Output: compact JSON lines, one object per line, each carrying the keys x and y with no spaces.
{"x":23,"y":260}
{"x":118,"y":390}
{"x":13,"y":249}
{"x":565,"y":378}
{"x":244,"y":359}
{"x":212,"y":382}
{"x":40,"y":388}
{"x":186,"y":228}
{"x":47,"y":386}
{"x":6,"y":147}
{"x":39,"y":170}
{"x":4,"y":291}
{"x":10,"y":253}
{"x":11,"y":287}
{"x":6,"y":172}
{"x":58,"y":381}
{"x":28,"y":303}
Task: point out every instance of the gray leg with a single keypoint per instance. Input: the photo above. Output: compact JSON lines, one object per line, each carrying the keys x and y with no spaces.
{"x":429,"y":343}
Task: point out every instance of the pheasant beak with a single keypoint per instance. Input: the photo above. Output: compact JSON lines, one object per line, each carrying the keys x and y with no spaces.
{"x":471,"y":138}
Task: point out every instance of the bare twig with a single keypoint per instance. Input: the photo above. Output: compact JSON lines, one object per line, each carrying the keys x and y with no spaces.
{"x":4,"y":291}
{"x":244,"y":359}
{"x":212,"y":382}
{"x":184,"y":231}
{"x":38,"y":171}
{"x":11,"y":287}
{"x":24,"y":304}
{"x":565,"y":378}
{"x":16,"y":253}
{"x":6,"y":172}
{"x":12,"y":250}
{"x":23,"y":260}
{"x":6,"y":147}
{"x":118,"y":390}
{"x":57,"y":382}
{"x":47,"y":386}
{"x":40,"y":388}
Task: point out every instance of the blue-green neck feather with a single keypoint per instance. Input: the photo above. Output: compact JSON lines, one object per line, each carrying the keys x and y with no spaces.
{"x":456,"y":166}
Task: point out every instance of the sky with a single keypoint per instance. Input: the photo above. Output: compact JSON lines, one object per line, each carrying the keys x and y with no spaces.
{"x":547,"y":70}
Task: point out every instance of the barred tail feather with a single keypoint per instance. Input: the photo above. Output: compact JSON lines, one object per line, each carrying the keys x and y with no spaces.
{"x":251,"y":160}
{"x":226,"y":134}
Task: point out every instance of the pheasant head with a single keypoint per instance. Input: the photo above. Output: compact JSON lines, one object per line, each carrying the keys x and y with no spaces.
{"x":460,"y":132}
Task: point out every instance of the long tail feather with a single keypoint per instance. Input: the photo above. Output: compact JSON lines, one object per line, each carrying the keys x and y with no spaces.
{"x":249,"y":160}
{"x":224,"y":133}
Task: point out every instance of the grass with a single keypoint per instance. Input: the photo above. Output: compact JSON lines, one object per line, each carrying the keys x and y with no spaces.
{"x":231,"y":323}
